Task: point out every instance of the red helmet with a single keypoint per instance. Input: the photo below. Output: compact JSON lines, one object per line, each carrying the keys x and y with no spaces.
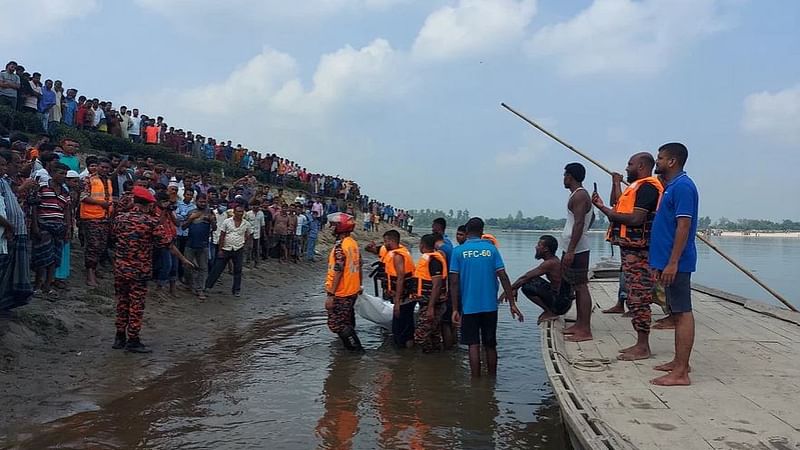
{"x":345,"y":226}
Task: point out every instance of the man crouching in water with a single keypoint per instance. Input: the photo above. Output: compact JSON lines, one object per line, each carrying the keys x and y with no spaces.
{"x":551,"y":294}
{"x":343,"y":284}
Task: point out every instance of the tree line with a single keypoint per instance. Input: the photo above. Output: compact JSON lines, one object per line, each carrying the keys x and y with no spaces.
{"x":424,"y":217}
{"x":725,"y":224}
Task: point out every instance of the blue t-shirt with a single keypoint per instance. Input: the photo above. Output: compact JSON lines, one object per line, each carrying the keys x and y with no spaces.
{"x":198,"y":233}
{"x":680,"y":199}
{"x":477,"y":261}
{"x":447,"y":249}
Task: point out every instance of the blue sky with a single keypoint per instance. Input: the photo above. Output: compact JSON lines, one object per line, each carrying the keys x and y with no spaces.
{"x":404,"y":96}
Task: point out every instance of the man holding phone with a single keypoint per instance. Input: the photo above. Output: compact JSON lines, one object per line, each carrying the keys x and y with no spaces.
{"x":631,"y":221}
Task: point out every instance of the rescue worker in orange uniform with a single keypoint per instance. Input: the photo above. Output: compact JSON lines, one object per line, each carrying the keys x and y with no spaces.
{"x":95,"y":212}
{"x":631,"y":219}
{"x":431,"y":292}
{"x":400,"y":282}
{"x":343,"y":284}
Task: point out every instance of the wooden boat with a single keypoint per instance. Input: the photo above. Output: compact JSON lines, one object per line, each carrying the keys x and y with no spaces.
{"x":745,"y":378}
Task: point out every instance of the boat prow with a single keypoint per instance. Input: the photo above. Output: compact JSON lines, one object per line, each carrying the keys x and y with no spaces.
{"x":745,"y":378}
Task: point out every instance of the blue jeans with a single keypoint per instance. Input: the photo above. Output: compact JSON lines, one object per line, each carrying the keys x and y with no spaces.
{"x":310,"y":246}
{"x":167,"y":266}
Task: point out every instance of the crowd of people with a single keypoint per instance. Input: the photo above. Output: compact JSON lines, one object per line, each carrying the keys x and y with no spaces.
{"x":54,"y":105}
{"x":653,"y":221}
{"x":145,"y":219}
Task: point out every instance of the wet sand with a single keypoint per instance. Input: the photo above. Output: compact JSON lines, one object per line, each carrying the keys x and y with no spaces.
{"x":260,"y":371}
{"x":56,"y":355}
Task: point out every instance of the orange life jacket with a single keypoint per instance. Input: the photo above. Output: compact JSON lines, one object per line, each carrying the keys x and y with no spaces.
{"x":491,"y":239}
{"x":98,"y":192}
{"x":639,"y":236}
{"x":350,"y":282}
{"x":391,"y":271}
{"x":424,"y":278}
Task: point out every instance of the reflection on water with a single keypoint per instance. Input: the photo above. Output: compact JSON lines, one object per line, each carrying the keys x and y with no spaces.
{"x":285,"y":382}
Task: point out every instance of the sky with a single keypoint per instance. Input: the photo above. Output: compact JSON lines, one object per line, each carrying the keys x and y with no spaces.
{"x":404,"y":96}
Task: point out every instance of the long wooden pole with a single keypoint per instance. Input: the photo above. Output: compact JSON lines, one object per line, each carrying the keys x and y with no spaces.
{"x":697,"y":235}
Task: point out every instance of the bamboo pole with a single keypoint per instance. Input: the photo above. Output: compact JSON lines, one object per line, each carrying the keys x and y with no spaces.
{"x":697,"y":235}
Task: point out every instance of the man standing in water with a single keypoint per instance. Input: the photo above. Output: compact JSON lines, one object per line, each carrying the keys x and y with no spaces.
{"x":575,"y":258}
{"x":631,"y":220}
{"x":343,"y":284}
{"x":399,"y":266}
{"x":674,"y":256}
{"x":476,"y":267}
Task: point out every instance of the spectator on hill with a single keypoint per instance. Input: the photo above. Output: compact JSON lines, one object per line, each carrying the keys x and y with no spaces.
{"x":9,"y":84}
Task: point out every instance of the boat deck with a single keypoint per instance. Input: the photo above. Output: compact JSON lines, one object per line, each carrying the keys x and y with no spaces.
{"x":745,"y":391}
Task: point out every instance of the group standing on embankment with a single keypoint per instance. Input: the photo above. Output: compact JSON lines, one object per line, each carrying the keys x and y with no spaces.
{"x":140,"y":219}
{"x":652,"y":220}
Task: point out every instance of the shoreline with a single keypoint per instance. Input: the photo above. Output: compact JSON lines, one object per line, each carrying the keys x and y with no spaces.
{"x":56,"y":358}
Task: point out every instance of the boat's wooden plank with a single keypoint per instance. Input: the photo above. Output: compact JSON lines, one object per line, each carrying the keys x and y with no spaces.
{"x":654,"y":429}
{"x":746,"y":377}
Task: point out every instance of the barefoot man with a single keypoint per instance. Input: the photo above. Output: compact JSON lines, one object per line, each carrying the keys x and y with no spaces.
{"x":674,"y":256}
{"x":631,"y":220}
{"x":575,"y":259}
{"x":552,"y":294}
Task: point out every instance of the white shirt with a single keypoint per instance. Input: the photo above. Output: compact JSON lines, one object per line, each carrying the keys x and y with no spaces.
{"x":99,"y":114}
{"x":221,"y":217}
{"x":235,"y":236}
{"x":134,"y":125}
{"x":84,"y":174}
{"x":257,"y":221}
{"x":301,"y":220}
{"x":300,"y":199}
{"x":583,"y":242}
{"x":43,"y":176}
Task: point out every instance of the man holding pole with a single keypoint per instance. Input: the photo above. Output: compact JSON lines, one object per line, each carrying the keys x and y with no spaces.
{"x":631,"y":221}
{"x":674,"y":256}
{"x":575,"y":259}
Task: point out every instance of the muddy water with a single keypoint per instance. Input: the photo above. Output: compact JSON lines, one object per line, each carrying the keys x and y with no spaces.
{"x":285,"y":382}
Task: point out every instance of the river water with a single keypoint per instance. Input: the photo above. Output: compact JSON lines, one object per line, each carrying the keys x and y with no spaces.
{"x":285,"y":382}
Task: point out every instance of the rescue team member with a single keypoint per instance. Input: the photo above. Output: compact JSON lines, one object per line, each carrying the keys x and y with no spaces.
{"x":343,"y":284}
{"x":431,"y":292}
{"x":136,"y":234}
{"x":474,"y":271}
{"x":631,"y":220}
{"x":95,"y":213}
{"x":399,"y":267}
{"x":444,"y":245}
{"x":552,"y":294}
{"x":576,"y":255}
{"x":673,"y":255}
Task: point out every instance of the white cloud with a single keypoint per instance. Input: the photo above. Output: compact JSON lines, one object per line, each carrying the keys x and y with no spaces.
{"x":270,"y":81}
{"x":472,"y":27}
{"x":46,"y":14}
{"x":522,"y":157}
{"x":261,"y":10}
{"x":626,"y":36}
{"x":265,"y":104}
{"x":775,"y":116}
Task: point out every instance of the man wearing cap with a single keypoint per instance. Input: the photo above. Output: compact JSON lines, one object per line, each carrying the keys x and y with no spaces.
{"x":136,"y":233}
{"x":343,"y":284}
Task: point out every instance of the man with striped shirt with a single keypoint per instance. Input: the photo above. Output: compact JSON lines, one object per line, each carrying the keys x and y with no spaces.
{"x":49,"y":227}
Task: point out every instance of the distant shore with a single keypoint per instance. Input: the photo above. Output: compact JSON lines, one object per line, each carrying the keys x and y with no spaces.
{"x":747,"y":234}
{"x":761,"y":234}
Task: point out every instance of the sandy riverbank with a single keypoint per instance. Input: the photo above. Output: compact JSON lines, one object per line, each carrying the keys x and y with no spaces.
{"x":55,"y":353}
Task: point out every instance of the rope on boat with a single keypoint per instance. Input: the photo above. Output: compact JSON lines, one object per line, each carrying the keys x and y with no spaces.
{"x":586,"y":364}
